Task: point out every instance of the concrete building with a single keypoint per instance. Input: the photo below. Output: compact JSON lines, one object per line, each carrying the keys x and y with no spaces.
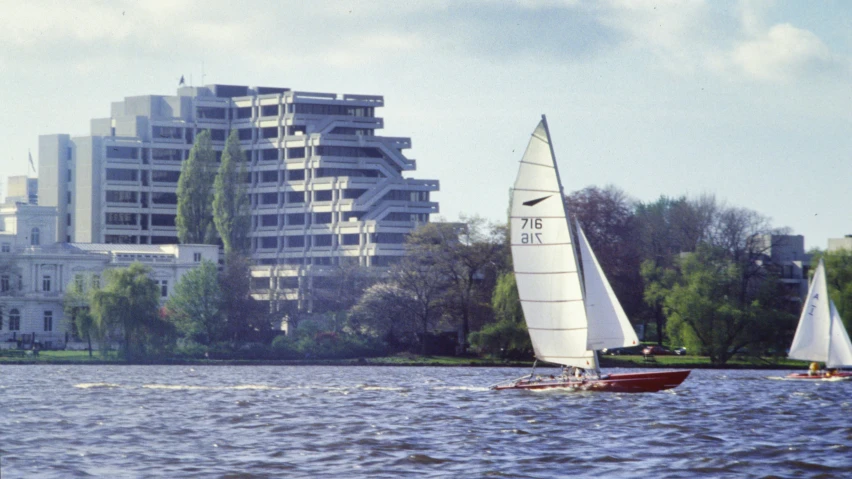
{"x":325,"y":189}
{"x":786,"y":253}
{"x":22,"y":189}
{"x":35,"y":272}
{"x":837,"y":244}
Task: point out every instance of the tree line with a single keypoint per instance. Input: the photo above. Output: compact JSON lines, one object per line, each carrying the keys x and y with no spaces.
{"x":690,"y":272}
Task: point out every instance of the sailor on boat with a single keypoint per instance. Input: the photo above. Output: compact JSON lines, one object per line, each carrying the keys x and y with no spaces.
{"x":813,"y":369}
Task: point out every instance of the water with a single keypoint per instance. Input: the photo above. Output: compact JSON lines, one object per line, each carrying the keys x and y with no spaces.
{"x":389,"y":422}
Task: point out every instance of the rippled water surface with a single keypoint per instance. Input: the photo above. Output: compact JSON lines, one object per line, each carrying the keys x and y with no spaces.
{"x":305,"y":421}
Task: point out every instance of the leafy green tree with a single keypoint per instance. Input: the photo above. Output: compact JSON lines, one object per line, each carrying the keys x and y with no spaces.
{"x":194,"y":219}
{"x":707,"y":310}
{"x":75,"y":304}
{"x":230,"y":198}
{"x":508,"y":336}
{"x":195,"y":306}
{"x":838,"y":272}
{"x":126,"y":309}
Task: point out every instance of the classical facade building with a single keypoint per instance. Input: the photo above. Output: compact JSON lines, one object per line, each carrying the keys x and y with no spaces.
{"x":35,"y":272}
{"x":325,"y":189}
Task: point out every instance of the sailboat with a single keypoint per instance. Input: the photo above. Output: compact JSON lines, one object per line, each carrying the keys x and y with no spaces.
{"x":569,"y":306}
{"x":821,"y":336}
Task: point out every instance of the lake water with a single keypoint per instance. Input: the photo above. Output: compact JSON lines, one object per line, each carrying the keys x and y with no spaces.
{"x":371,"y":422}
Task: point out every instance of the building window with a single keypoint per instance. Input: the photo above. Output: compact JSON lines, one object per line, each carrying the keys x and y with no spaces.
{"x":164,"y":288}
{"x":4,"y":283}
{"x":48,"y":320}
{"x":45,"y":283}
{"x":295,"y":241}
{"x":118,"y":174}
{"x":80,"y":282}
{"x":7,"y":247}
{"x":196,"y":257}
{"x":96,"y":281}
{"x":14,"y":320}
{"x":35,"y":239}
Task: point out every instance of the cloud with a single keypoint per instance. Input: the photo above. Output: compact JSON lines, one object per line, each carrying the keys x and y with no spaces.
{"x":781,"y":54}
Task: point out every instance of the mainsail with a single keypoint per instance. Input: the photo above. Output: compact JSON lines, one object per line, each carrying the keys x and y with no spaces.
{"x":568,"y":315}
{"x":821,"y":336}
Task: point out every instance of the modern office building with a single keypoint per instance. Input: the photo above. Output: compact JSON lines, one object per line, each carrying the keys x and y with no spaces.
{"x":325,"y":189}
{"x":786,"y":255}
{"x":838,"y":244}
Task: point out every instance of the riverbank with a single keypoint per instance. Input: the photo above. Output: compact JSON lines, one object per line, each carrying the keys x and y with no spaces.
{"x":627,"y":361}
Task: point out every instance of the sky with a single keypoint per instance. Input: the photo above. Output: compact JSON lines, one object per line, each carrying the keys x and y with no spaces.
{"x":750,"y":101}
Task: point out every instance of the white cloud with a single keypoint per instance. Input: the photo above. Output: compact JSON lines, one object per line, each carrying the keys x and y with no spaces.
{"x":782,"y":53}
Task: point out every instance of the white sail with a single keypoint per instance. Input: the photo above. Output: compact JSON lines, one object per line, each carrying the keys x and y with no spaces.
{"x":545,"y":263}
{"x":839,"y":347}
{"x":821,"y":336}
{"x":608,"y":324}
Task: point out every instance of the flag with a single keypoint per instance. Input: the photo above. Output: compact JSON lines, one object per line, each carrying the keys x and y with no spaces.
{"x":31,"y":161}
{"x":182,"y":81}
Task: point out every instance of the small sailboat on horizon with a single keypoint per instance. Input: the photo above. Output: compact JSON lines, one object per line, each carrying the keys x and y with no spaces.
{"x":569,"y":306}
{"x":821,"y":336}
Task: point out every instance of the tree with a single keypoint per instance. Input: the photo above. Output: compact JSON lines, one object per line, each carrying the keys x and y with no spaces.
{"x":508,"y":336}
{"x":244,"y":317}
{"x":341,"y":286}
{"x":705,"y":308}
{"x":230,"y":198}
{"x":126,"y":309}
{"x":195,"y":306}
{"x":386,"y":311}
{"x":75,"y":304}
{"x":420,"y":285}
{"x":838,"y":273}
{"x":194,"y":219}
{"x":468,"y":254}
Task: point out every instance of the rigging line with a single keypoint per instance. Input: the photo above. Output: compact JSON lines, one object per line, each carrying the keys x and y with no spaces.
{"x":541,"y":244}
{"x":558,"y":329}
{"x":536,"y":164}
{"x":551,"y":272}
{"x":536,"y":190}
{"x":551,"y":300}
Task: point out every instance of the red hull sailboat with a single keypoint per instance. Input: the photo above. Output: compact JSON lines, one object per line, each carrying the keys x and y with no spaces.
{"x":569,"y":306}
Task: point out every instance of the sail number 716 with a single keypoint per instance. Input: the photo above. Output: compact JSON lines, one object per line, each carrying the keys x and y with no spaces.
{"x":531,"y":237}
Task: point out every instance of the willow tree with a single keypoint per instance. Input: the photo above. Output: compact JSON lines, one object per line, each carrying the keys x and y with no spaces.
{"x":195,"y":194}
{"x":230,"y":198}
{"x":127,"y":310}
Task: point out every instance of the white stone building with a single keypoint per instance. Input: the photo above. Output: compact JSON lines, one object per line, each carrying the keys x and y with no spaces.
{"x":35,"y":272}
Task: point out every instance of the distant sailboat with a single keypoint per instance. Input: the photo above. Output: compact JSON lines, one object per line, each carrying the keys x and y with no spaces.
{"x":570,"y":313}
{"x":821,"y":336}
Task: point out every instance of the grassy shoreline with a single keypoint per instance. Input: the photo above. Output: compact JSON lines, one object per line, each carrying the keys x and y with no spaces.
{"x":675,"y":362}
